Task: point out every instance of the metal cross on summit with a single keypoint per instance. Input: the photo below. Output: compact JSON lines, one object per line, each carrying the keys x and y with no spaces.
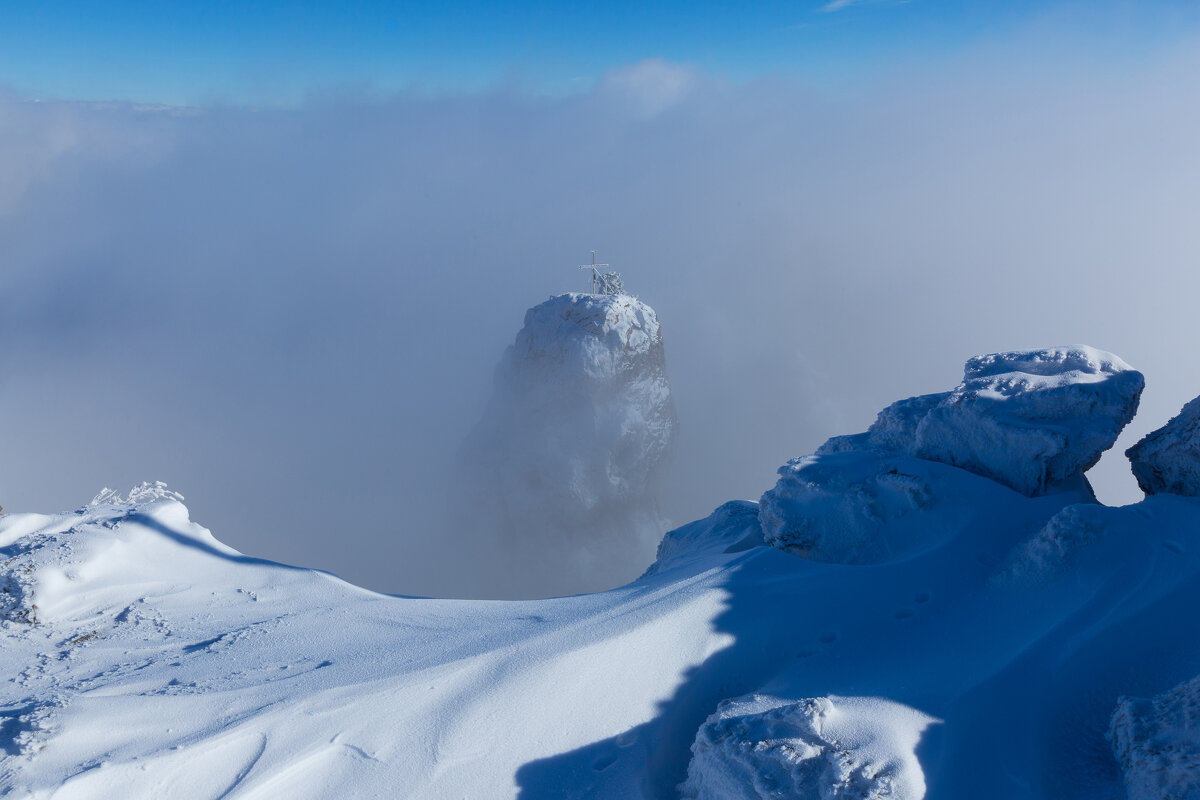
{"x":603,"y":282}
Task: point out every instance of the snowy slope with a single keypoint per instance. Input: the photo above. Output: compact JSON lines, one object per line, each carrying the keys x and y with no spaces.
{"x":991,"y":651}
{"x":164,"y":665}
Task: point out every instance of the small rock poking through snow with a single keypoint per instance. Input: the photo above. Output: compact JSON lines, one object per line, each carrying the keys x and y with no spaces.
{"x":831,"y":748}
{"x":1030,"y":419}
{"x":732,"y":528}
{"x":1057,"y":544}
{"x":1157,"y":742}
{"x":1167,"y":461}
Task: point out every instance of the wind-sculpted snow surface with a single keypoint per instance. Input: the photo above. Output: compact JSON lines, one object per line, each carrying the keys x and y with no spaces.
{"x":1030,"y":419}
{"x":825,"y":748}
{"x":1167,"y":461}
{"x":160,"y":663}
{"x":1157,"y":742}
{"x":563,"y":472}
{"x":163,"y":664}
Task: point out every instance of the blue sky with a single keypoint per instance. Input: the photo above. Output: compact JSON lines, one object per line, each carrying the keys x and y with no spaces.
{"x":277,"y":52}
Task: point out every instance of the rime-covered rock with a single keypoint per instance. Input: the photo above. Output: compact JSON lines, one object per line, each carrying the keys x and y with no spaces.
{"x":1157,"y":743}
{"x":1030,"y":419}
{"x":1167,"y":461}
{"x":565,"y":466}
{"x":825,"y":748}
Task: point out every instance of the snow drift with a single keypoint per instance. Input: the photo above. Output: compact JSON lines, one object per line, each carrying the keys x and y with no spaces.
{"x":562,"y":474}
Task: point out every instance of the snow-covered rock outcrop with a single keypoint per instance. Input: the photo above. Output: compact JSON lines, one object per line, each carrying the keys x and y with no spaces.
{"x":825,"y":748}
{"x":563,"y":471}
{"x":1167,"y":461}
{"x":1157,"y":742}
{"x":1030,"y":419}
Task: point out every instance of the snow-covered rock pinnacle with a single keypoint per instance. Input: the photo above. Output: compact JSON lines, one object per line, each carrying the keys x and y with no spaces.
{"x":563,"y":471}
{"x":1167,"y":461}
{"x":1030,"y":419}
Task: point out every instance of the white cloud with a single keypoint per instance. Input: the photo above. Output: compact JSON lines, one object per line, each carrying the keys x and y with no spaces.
{"x":651,"y":86}
{"x":292,"y":316}
{"x":837,"y":5}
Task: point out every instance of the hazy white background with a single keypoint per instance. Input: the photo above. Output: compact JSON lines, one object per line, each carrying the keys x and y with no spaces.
{"x":292,"y":315}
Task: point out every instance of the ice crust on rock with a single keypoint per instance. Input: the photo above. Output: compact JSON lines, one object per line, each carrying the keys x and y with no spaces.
{"x":564,"y":469}
{"x":1167,"y":461}
{"x":1157,"y":743}
{"x":1030,"y":419}
{"x":826,"y":748}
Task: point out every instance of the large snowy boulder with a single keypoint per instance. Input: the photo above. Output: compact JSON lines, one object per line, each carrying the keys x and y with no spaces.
{"x":1030,"y":419}
{"x":825,"y":748}
{"x":1167,"y":461}
{"x":1157,"y":743}
{"x":563,"y":472}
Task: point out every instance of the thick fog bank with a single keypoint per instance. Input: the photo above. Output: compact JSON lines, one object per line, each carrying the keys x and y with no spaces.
{"x":293,"y":315}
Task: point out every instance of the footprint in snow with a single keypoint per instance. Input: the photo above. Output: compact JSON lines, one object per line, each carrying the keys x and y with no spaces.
{"x":604,"y":762}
